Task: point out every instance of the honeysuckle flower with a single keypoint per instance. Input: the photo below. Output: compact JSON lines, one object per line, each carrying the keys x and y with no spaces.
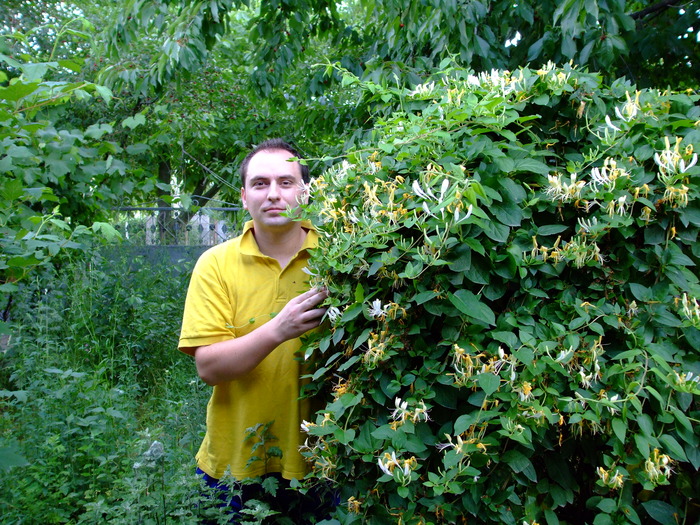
{"x":524,"y":391}
{"x":388,"y":466}
{"x":658,"y":466}
{"x":607,"y":174}
{"x":423,"y":89}
{"x":563,"y":191}
{"x":613,"y":409}
{"x":426,"y":209}
{"x":333,"y":313}
{"x":420,"y":413}
{"x":587,"y":225}
{"x":470,"y":209}
{"x":584,"y":378}
{"x":687,"y":380}
{"x":677,"y":197}
{"x":400,"y":410}
{"x":418,"y":191}
{"x":691,"y":307}
{"x":376,"y":310}
{"x":614,"y":482}
{"x":565,"y":355}
{"x":671,"y":161}
{"x":306,"y":425}
{"x":629,"y":108}
{"x":443,"y":188}
{"x":354,"y":505}
{"x":610,"y":124}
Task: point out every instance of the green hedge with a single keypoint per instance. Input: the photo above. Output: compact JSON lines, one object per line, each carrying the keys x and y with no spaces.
{"x":514,"y":325}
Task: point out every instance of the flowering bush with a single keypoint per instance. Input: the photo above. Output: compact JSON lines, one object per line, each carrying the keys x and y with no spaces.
{"x":514,"y":320}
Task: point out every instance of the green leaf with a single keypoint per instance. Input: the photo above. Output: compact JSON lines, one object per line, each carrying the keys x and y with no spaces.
{"x":531,"y":165}
{"x":133,"y":122}
{"x":619,"y":428}
{"x":645,"y":424}
{"x":661,"y":511}
{"x":463,"y":422}
{"x":135,"y":149}
{"x":18,"y":90}
{"x":641,"y":293}
{"x":516,"y":460}
{"x":488,"y":382}
{"x":470,"y":305}
{"x":674,"y":449}
{"x":104,"y":92}
{"x":507,"y":338}
{"x":607,"y":505}
{"x":551,"y":229}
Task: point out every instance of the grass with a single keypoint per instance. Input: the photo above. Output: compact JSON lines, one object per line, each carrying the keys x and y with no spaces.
{"x":101,"y":415}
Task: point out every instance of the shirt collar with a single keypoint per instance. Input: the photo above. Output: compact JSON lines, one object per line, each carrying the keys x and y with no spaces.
{"x":250,"y":247}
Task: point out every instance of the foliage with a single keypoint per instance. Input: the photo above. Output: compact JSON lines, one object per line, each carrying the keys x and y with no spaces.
{"x":514,"y":318}
{"x":96,"y":400}
{"x":649,"y":41}
{"x":600,"y":34}
{"x":57,"y":182}
{"x":46,"y":29}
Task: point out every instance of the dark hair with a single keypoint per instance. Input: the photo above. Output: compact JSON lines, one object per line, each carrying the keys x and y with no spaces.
{"x":272,"y":144}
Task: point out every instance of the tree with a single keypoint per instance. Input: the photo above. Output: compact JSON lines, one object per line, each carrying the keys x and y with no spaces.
{"x":649,"y":42}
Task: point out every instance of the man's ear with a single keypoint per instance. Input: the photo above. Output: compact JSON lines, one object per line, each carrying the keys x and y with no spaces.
{"x":243,"y":199}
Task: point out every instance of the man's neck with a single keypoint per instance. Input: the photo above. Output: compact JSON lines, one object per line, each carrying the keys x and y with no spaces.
{"x":280,"y":245}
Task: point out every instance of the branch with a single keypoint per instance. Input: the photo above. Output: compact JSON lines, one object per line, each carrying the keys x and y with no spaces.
{"x":661,"y":6}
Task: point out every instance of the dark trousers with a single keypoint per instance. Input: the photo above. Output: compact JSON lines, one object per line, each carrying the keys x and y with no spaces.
{"x":312,"y":507}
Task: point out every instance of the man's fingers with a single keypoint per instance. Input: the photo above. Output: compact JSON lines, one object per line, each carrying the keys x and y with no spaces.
{"x":313,"y":297}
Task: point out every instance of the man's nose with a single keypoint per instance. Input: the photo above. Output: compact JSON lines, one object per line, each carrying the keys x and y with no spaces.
{"x":273,"y":191}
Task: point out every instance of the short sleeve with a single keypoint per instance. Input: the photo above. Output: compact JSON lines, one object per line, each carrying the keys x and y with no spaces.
{"x":208,"y":314}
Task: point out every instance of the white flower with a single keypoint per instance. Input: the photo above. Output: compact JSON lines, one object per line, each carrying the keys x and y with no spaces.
{"x":444,"y":188}
{"x":376,"y":310}
{"x":306,"y":270}
{"x":390,"y":464}
{"x":693,"y":162}
{"x":587,"y":225}
{"x":401,"y":410}
{"x":610,"y":124}
{"x":584,"y":378}
{"x":333,"y":313}
{"x":470,"y":209}
{"x":419,"y":191}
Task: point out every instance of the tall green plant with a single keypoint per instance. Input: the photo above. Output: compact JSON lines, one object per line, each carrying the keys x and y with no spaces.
{"x":57,"y":183}
{"x":514,"y":319}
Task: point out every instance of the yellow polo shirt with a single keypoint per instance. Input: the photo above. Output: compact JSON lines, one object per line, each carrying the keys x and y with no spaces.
{"x":234,"y":289}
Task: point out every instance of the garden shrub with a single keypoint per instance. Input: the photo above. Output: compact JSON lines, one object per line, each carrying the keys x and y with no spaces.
{"x":513,"y":333}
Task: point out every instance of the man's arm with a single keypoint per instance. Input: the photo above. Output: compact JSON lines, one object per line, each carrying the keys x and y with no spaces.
{"x":228,"y":360}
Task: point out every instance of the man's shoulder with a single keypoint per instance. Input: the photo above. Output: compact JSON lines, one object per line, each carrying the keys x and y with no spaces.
{"x":224,"y":251}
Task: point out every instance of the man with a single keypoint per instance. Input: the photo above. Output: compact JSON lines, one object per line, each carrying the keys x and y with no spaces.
{"x":245,"y":310}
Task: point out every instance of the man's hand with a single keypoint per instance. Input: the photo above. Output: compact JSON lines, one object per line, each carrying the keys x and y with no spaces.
{"x":227,"y":360}
{"x":301,"y":314}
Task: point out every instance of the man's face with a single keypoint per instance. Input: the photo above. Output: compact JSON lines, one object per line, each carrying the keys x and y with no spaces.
{"x":273,"y":185}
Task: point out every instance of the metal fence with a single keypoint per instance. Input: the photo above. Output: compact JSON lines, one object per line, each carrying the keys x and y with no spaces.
{"x":163,"y":226}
